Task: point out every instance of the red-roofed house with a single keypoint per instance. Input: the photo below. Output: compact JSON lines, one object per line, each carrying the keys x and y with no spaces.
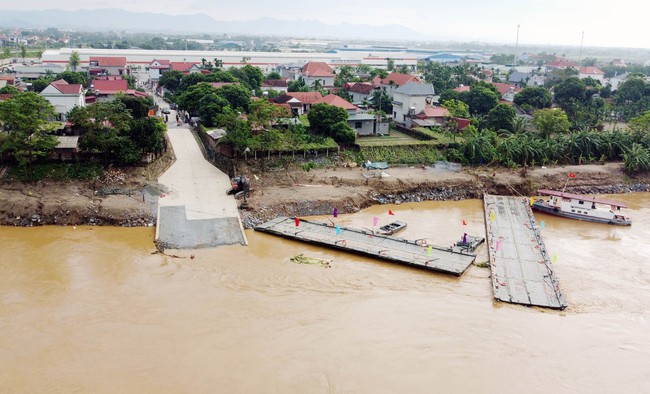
{"x":507,"y":91}
{"x":298,"y":102}
{"x":105,"y":90}
{"x":395,"y":80}
{"x":359,"y":91}
{"x":279,"y":85}
{"x":158,"y":67}
{"x":314,"y":71}
{"x":462,"y":88}
{"x":560,"y":64}
{"x":7,"y":80}
{"x":338,"y":101}
{"x":593,"y":72}
{"x":185,"y":67}
{"x":431,"y":116}
{"x":64,"y":96}
{"x":109,"y":65}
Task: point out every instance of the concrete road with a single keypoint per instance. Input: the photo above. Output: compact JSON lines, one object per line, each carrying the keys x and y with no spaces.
{"x":195,"y":212}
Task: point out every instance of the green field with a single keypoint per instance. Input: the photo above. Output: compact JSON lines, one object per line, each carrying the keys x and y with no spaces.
{"x":395,"y":138}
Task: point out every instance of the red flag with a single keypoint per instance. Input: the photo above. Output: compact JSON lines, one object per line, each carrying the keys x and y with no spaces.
{"x":297,"y":221}
{"x":572,"y":175}
{"x":390,"y":212}
{"x":464,"y":222}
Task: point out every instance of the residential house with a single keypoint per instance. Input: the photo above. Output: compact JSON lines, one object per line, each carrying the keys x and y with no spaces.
{"x":7,"y":80}
{"x":66,"y":148}
{"x":521,"y":79}
{"x":410,"y":99}
{"x":317,"y":71}
{"x":431,"y":116}
{"x":279,"y":85}
{"x":31,"y":72}
{"x":107,"y":65}
{"x":298,"y":103}
{"x":185,"y":67}
{"x":617,"y":79}
{"x":591,"y":72}
{"x":395,"y":80}
{"x":338,"y":101}
{"x":64,"y":97}
{"x":362,"y":123}
{"x":157,"y":68}
{"x":359,"y":91}
{"x":108,"y":89}
{"x":507,"y":91}
{"x":560,"y":64}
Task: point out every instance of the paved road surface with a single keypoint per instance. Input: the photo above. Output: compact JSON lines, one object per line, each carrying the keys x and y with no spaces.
{"x":195,"y":212}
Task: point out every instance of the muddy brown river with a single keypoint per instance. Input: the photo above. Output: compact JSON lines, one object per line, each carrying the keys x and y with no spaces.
{"x":91,"y":309}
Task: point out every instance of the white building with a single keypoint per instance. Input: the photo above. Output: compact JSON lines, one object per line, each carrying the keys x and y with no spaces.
{"x":64,"y":96}
{"x":410,"y":99}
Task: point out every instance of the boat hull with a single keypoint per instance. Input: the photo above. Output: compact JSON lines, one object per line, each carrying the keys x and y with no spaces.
{"x":551,"y":210}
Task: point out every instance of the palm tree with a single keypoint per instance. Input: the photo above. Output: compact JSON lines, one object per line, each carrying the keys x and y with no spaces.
{"x":317,"y":85}
{"x":520,"y":125}
{"x":636,"y":159}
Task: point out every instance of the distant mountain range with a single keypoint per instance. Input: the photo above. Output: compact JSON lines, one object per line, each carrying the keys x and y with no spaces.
{"x":122,"y":20}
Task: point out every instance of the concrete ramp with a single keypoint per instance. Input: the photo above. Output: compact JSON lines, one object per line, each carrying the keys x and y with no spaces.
{"x":195,"y":212}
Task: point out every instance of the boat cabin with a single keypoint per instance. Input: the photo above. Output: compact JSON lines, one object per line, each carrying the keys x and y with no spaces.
{"x":580,"y":207}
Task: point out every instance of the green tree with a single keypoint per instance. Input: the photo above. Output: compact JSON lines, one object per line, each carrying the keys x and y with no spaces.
{"x":480,"y":100}
{"x":238,"y":96}
{"x":27,"y":117}
{"x":263,"y":114}
{"x":72,"y":77}
{"x":382,"y":101}
{"x":551,"y":121}
{"x":107,"y":127}
{"x":74,"y":60}
{"x":537,"y":97}
{"x":343,"y":134}
{"x":171,"y":80}
{"x":138,"y":107}
{"x":502,"y":58}
{"x":640,"y":124}
{"x":9,"y":89}
{"x":209,"y":108}
{"x":390,"y":64}
{"x":322,"y":117}
{"x":148,"y":134}
{"x":636,"y":159}
{"x":501,"y":117}
{"x":190,"y":98}
{"x":23,"y":52}
{"x":457,"y":108}
{"x":274,"y":75}
{"x":297,"y":85}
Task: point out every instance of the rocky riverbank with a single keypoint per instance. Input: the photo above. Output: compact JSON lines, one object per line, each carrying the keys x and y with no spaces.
{"x":128,"y":197}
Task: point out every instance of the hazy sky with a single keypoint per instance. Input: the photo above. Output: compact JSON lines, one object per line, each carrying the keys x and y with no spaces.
{"x":621,"y":23}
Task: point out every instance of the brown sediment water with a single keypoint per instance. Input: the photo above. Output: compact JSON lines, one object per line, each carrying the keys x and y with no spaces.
{"x":90,"y":309}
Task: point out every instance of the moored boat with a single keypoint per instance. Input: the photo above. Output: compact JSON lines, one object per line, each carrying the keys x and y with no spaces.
{"x":392,"y":228}
{"x":575,"y":206}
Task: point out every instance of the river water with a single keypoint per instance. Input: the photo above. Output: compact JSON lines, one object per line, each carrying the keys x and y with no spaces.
{"x":91,"y":309}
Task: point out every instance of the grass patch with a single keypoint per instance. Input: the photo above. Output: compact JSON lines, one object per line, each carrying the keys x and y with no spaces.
{"x":57,"y":172}
{"x":402,"y":154}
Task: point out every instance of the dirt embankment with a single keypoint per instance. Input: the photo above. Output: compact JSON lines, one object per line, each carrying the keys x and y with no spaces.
{"x":318,"y":192}
{"x":127,"y":197}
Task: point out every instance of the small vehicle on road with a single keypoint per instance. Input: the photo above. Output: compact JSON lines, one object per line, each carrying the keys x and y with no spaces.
{"x":165,"y":110}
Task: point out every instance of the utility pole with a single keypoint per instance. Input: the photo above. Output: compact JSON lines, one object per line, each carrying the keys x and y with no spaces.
{"x":516,"y":46}
{"x":582,"y":40}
